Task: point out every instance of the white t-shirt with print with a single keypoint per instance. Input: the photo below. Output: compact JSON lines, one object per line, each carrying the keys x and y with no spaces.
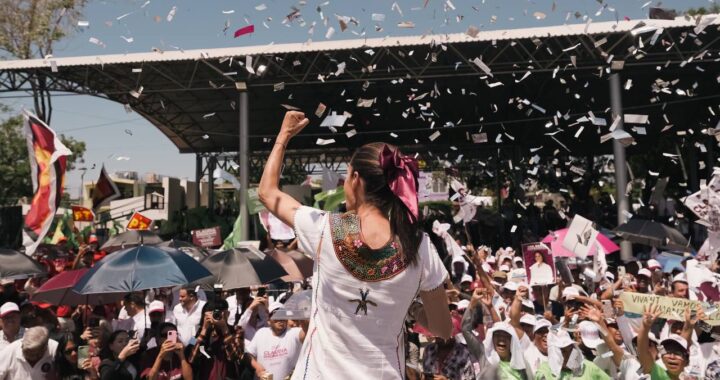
{"x":277,"y":354}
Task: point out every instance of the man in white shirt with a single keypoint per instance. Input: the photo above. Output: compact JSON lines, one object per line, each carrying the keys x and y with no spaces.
{"x":188,"y":314}
{"x":253,"y":317}
{"x":11,"y":329}
{"x":29,"y":358}
{"x":138,"y":322}
{"x":275,"y":349}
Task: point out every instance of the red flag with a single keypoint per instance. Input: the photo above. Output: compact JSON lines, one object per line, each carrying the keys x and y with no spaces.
{"x":47,"y":163}
{"x":139,"y":222}
{"x":245,"y":30}
{"x":105,"y":190}
{"x":82,"y":214}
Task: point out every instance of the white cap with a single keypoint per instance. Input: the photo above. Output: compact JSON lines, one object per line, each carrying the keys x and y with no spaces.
{"x":653,"y":264}
{"x":274,"y":306}
{"x":517,"y":258}
{"x":676,"y":339}
{"x":463,"y":304}
{"x":590,"y":334}
{"x":511,"y":286}
{"x":540,"y":324}
{"x":527,"y":303}
{"x":7,"y":308}
{"x":560,"y":339}
{"x":645,"y":272}
{"x":486,"y":267}
{"x":504,"y":268}
{"x":570,"y":292}
{"x":680,"y":277}
{"x":509,"y":249}
{"x":491,"y":259}
{"x":156,"y":306}
{"x":528,"y":319}
{"x":466,"y":278}
{"x":610,"y":276}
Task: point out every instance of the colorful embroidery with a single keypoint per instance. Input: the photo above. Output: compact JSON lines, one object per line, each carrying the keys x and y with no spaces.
{"x":361,"y":261}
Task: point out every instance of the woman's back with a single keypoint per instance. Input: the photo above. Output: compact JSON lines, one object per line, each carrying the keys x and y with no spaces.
{"x":361,"y":296}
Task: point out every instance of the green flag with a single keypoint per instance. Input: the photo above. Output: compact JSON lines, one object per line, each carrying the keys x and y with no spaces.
{"x":234,"y":237}
{"x":332,"y":198}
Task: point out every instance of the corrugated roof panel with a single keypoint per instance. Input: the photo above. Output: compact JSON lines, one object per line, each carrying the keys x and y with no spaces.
{"x":485,"y":36}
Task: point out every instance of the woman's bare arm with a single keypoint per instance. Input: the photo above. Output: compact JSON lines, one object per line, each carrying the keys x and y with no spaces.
{"x":280,"y":204}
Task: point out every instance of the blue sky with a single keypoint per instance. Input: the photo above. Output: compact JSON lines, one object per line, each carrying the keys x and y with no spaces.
{"x":110,"y":132}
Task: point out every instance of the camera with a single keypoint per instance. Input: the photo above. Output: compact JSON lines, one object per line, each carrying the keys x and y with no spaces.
{"x":217,"y":312}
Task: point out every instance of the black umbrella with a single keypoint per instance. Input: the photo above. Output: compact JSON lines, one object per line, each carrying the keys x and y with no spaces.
{"x":131,"y":238}
{"x":15,"y":265}
{"x":188,"y":248}
{"x":241,"y":268}
{"x":654,"y":234}
{"x":140,"y":268}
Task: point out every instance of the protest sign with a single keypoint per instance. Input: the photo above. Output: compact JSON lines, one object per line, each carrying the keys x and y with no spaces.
{"x":539,"y":264}
{"x":139,"y":222}
{"x":206,"y":237}
{"x":671,"y":308}
{"x":580,"y":237}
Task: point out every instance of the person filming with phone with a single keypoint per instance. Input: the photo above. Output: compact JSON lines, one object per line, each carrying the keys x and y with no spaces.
{"x":208,"y":355}
{"x":166,"y":360}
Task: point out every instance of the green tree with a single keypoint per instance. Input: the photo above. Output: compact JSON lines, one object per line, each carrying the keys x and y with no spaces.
{"x":715,"y":8}
{"x":15,"y":180}
{"x":28,"y":29}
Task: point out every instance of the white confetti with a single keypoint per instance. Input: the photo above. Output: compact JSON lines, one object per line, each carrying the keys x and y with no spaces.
{"x":83,"y":23}
{"x":171,"y":14}
{"x":434,"y":136}
{"x":128,"y":39}
{"x":330,"y":32}
{"x":378,"y":17}
{"x":406,"y":24}
{"x":323,"y":142}
{"x":479,"y":63}
{"x":636,"y":119}
{"x":260,"y":7}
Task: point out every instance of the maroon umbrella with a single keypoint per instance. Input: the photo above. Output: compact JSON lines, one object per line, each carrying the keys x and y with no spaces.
{"x":298,"y":265}
{"x":59,"y":291}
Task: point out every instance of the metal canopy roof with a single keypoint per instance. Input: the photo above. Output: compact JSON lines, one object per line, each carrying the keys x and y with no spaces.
{"x":412,"y":87}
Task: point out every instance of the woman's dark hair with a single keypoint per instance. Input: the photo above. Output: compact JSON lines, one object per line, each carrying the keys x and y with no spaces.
{"x":64,"y":367}
{"x":105,"y":352}
{"x":542,"y":257}
{"x":366,"y":162}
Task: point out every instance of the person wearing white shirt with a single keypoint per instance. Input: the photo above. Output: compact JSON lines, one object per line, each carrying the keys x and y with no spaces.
{"x":275,"y":349}
{"x":138,"y":321}
{"x":238,"y":304}
{"x":188,"y":314}
{"x":537,"y":353}
{"x":30,"y":358}
{"x":11,"y":329}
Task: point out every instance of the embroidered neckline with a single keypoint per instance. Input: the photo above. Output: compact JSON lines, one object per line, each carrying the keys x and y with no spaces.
{"x":363,"y":262}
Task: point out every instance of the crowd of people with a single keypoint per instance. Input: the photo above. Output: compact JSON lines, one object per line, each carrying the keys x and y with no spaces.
{"x":389,"y":303}
{"x":502,"y":328}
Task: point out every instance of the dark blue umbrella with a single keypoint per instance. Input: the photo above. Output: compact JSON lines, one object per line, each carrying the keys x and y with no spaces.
{"x":141,"y":268}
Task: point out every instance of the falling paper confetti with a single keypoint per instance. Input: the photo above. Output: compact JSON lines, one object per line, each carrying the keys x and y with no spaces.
{"x":323,"y":142}
{"x":171,"y":14}
{"x":245,"y":30}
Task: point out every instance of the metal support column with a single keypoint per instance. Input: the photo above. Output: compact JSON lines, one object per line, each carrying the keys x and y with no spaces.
{"x":211,"y":164}
{"x":243,"y":154}
{"x":198,"y":178}
{"x":621,"y":198}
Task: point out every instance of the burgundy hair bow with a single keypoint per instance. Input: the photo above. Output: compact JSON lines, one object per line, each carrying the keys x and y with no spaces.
{"x":401,"y":173}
